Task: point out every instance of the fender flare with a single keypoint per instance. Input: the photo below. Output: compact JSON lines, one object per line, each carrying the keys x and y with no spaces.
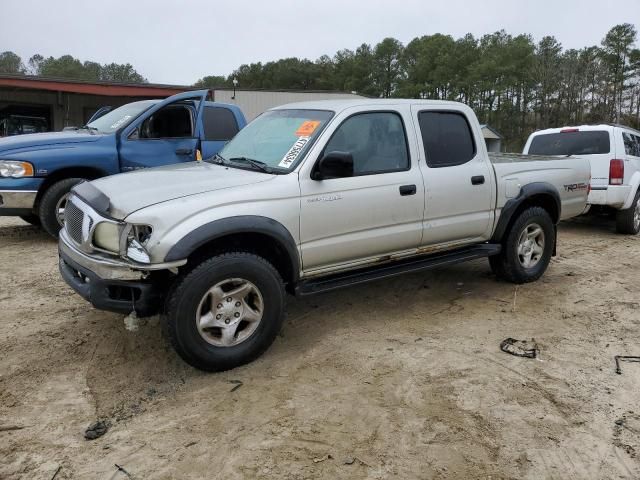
{"x":635,"y":184}
{"x":526,"y":192}
{"x":234,"y":225}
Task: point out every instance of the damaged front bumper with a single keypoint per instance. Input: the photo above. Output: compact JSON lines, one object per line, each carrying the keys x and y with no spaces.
{"x":115,"y":285}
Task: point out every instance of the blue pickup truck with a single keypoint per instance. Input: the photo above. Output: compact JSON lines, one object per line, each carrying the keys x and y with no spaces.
{"x":37,"y":171}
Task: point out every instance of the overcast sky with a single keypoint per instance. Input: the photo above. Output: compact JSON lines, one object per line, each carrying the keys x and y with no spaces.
{"x":178,"y":42}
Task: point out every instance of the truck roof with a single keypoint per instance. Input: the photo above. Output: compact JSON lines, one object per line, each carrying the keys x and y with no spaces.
{"x":341,"y":104}
{"x":598,"y":126}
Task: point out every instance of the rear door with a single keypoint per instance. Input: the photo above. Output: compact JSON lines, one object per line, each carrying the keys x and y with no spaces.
{"x":220,"y":125}
{"x":631,"y":142}
{"x":169,"y":132}
{"x":458,"y":177}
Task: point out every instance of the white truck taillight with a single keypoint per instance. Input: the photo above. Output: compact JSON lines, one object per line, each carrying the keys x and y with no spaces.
{"x":616,"y":172}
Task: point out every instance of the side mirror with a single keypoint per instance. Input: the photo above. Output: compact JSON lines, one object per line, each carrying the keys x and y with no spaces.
{"x":334,"y":165}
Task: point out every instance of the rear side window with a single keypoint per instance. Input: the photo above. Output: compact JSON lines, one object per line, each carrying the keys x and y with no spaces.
{"x":631,"y":144}
{"x":219,"y":123}
{"x":593,"y":142}
{"x":447,"y":138}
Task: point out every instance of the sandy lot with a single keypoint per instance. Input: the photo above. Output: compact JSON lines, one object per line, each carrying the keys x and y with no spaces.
{"x":396,"y":379}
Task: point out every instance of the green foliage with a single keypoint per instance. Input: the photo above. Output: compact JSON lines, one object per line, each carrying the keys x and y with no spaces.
{"x":11,"y":63}
{"x":212,"y":81}
{"x":67,"y":66}
{"x":512,"y":82}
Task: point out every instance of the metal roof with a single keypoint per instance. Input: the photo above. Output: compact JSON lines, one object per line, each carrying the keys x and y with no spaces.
{"x":111,"y":89}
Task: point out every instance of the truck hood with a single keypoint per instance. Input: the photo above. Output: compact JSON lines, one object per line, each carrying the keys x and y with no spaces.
{"x":129,"y":192}
{"x":34,"y":141}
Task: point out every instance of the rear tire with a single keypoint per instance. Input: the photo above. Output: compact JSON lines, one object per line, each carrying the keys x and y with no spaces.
{"x":527,"y":249}
{"x":226,"y":311}
{"x":52,"y":204}
{"x":31,"y":219}
{"x":628,"y":220}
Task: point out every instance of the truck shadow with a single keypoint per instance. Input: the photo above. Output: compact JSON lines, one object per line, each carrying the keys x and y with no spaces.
{"x":16,"y":231}
{"x":600,"y":223}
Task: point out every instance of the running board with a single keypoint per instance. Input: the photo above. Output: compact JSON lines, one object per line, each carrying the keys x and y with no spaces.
{"x":387,"y":270}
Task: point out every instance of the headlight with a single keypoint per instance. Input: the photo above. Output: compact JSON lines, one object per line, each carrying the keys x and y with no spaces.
{"x":14,"y":169}
{"x":136,"y":240}
{"x":107,"y":236}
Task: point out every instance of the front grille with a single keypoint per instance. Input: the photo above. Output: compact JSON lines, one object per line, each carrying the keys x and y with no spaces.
{"x":73,"y":220}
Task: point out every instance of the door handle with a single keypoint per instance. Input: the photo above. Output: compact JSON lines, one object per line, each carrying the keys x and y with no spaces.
{"x":184,"y":151}
{"x":408,"y":190}
{"x":477,"y":180}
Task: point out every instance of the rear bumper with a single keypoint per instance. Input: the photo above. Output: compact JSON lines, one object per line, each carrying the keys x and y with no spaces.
{"x":612,"y":195}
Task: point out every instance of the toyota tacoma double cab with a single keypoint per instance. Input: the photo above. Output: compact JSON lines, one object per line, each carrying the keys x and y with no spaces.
{"x":38,"y":170}
{"x":308,"y":198}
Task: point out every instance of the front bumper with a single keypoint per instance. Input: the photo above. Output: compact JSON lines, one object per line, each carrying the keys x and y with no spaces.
{"x":113,"y":285}
{"x":18,"y":195}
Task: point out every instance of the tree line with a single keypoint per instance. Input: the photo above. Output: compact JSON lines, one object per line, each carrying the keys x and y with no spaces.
{"x":514,"y":83}
{"x":67,"y":66}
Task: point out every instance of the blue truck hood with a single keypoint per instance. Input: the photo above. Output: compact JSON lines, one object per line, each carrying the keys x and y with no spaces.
{"x":38,"y":141}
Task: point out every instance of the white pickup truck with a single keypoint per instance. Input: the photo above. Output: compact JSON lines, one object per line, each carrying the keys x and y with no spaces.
{"x":308,"y":198}
{"x":614,"y":153}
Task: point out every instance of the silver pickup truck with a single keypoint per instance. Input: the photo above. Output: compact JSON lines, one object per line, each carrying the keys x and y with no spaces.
{"x":308,"y":198}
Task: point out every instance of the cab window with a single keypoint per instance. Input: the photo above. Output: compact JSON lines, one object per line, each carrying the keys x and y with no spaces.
{"x":172,"y":121}
{"x":376,"y":140}
{"x":219,"y":124}
{"x":447,"y":138}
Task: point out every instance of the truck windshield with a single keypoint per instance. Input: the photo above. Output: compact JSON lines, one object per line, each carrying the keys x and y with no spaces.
{"x":277,"y":138}
{"x":591,"y":142}
{"x":120,"y":117}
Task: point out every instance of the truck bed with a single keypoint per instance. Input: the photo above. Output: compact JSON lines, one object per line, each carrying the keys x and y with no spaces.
{"x":569,"y":175}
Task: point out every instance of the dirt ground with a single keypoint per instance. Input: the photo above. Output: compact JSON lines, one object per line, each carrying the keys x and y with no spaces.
{"x":395,"y":379}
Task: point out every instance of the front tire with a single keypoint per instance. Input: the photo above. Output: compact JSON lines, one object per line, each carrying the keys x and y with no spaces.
{"x":628,"y":220}
{"x":52,"y":203}
{"x":226,"y":311}
{"x":528,"y":247}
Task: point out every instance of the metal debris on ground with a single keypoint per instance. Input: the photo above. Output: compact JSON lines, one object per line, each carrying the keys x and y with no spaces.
{"x":624,"y":358}
{"x":520,"y":348}
{"x":322,"y":459}
{"x":121,"y":469}
{"x":96,"y":430}
{"x":238,"y":384}
{"x":55,"y":474}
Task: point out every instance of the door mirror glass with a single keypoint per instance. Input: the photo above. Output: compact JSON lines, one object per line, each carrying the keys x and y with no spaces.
{"x":334,"y":165}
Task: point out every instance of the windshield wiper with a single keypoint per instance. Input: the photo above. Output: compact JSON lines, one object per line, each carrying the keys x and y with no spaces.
{"x":217,"y":159}
{"x":257,"y":164}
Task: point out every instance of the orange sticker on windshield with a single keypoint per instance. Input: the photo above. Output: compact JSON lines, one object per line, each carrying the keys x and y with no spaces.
{"x":307,"y":128}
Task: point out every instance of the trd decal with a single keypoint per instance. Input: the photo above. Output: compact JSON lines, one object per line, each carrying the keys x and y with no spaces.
{"x":573,"y":187}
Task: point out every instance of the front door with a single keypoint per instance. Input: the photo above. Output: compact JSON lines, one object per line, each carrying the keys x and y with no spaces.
{"x":168,"y":133}
{"x":376,"y":212}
